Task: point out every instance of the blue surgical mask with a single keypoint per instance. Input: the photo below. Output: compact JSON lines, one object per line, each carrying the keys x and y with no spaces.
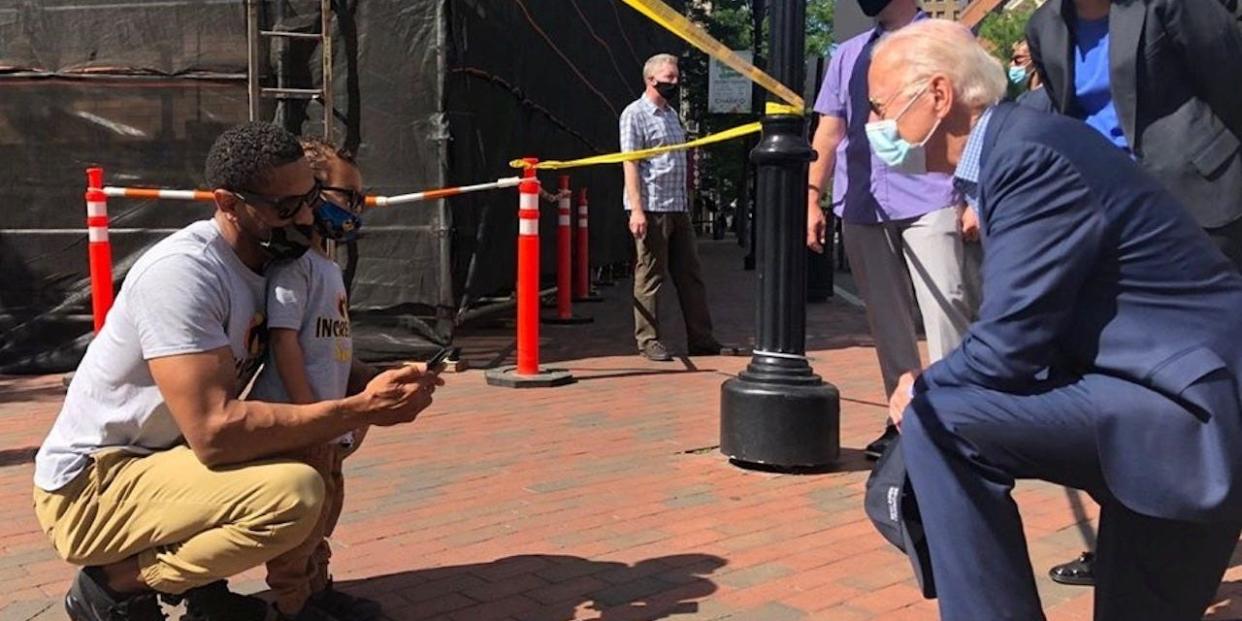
{"x":1017,"y":75}
{"x":336,"y":223}
{"x":895,"y":151}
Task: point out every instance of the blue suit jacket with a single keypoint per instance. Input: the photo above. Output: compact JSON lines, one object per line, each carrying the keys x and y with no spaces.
{"x":1091,"y":268}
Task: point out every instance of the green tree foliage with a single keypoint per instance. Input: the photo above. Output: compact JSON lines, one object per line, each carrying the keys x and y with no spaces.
{"x":819,"y":19}
{"x":1001,"y":30}
{"x":731,"y":22}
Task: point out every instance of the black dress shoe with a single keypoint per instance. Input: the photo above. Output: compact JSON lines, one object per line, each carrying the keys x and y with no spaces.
{"x":89,"y":600}
{"x":1078,"y":572}
{"x":215,"y":602}
{"x":344,"y":606}
{"x":880,"y":444}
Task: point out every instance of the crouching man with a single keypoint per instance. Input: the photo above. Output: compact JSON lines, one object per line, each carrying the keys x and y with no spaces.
{"x":155,"y":477}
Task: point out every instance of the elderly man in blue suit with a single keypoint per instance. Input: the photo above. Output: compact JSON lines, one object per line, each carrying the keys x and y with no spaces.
{"x":1106,"y":356}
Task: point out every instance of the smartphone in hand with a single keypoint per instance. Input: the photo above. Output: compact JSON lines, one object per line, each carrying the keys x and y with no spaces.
{"x":436,"y":364}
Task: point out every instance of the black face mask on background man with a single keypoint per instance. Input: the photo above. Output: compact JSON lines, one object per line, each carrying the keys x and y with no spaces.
{"x":667,"y":90}
{"x":871,"y":8}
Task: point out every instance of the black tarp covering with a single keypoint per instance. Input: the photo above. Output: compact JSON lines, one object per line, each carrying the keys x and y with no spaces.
{"x":431,"y":93}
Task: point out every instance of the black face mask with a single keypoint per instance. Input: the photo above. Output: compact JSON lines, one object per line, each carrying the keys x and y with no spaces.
{"x":288,"y":242}
{"x":871,"y":8}
{"x":667,"y":90}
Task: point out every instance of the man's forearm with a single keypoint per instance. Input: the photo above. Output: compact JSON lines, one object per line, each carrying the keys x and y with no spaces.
{"x":825,"y":144}
{"x":820,"y":168}
{"x":827,"y":138}
{"x":632,"y":195}
{"x":249,"y":430}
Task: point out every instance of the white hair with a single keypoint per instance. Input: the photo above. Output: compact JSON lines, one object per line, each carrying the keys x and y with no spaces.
{"x":932,"y":47}
{"x":657,"y":61}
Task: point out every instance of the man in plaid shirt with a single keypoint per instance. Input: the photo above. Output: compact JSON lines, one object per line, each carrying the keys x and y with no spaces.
{"x":655,"y":197}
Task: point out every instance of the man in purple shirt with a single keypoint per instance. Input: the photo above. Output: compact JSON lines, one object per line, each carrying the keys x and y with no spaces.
{"x":901,"y":231}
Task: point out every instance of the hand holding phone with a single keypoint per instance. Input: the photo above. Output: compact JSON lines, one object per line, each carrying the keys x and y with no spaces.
{"x":436,"y":364}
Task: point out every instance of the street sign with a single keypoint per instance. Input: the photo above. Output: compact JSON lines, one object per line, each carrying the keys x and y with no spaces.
{"x":728,"y":92}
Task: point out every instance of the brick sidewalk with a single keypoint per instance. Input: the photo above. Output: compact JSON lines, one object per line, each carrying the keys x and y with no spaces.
{"x":601,"y":500}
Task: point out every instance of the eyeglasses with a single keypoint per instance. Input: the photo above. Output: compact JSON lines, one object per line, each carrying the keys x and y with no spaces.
{"x":878,"y":108}
{"x":286,"y":206}
{"x":354,"y":201}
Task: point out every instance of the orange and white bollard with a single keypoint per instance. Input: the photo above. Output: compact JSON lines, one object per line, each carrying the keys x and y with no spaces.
{"x":528,"y":275}
{"x":564,"y":261}
{"x":99,"y":248}
{"x":582,"y":268}
{"x":527,"y":374}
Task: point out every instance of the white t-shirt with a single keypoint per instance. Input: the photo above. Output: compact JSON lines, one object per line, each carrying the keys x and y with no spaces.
{"x":308,"y":295}
{"x":189,"y":293}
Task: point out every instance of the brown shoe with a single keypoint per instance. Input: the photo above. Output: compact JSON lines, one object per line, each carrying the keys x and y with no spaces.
{"x":656,"y":352}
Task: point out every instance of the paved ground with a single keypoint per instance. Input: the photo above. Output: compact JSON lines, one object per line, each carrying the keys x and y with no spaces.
{"x":603,"y":500}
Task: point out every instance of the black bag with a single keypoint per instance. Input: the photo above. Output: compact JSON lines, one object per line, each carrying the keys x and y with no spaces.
{"x":891,"y":507}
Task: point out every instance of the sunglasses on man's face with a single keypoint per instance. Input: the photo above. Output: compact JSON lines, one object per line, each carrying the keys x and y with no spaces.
{"x":354,"y":201}
{"x":286,"y":207}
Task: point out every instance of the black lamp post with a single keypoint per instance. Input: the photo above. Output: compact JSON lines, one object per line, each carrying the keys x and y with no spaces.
{"x":778,"y":412}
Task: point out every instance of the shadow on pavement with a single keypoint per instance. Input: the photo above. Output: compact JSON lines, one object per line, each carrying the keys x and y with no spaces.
{"x":546,"y":587}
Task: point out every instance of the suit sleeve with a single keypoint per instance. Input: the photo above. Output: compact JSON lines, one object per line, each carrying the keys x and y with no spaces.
{"x":1042,"y":238}
{"x":1210,"y":39}
{"x":1033,"y":27}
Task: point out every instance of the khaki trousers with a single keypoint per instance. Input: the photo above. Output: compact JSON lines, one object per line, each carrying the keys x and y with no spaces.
{"x":670,"y":246}
{"x":189,"y":525}
{"x":302,"y":571}
{"x":926,"y":254}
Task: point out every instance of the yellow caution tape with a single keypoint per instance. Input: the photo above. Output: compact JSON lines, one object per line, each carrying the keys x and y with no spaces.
{"x":677,"y":24}
{"x":773,"y":107}
{"x":642,"y":154}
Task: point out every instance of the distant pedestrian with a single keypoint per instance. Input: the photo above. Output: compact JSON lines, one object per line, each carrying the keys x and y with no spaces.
{"x":658,"y":204}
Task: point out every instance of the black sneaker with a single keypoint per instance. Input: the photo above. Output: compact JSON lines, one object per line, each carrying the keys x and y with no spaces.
{"x":215,"y":602}
{"x":344,"y":606}
{"x":880,"y":444}
{"x":89,"y":600}
{"x":1078,"y":572}
{"x":656,"y":351}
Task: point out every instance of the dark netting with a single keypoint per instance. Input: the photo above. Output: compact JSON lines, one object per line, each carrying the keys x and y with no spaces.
{"x":429,"y":93}
{"x":50,"y":131}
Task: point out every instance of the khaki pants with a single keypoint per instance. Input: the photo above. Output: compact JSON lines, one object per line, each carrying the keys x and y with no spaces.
{"x":298,"y":573}
{"x":927,"y":254}
{"x":670,"y":245}
{"x":187,"y":524}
